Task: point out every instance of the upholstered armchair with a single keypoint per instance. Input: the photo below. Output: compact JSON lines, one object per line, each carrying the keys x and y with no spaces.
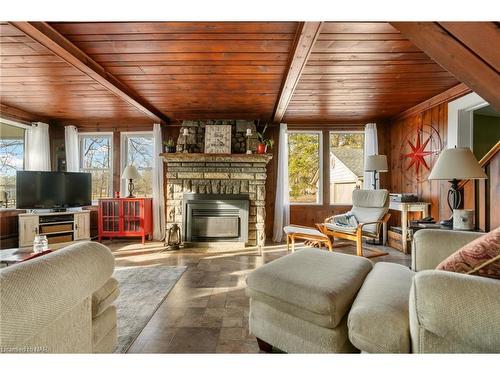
{"x":368,"y":214}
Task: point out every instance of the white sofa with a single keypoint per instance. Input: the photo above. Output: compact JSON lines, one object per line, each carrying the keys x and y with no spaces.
{"x":423,"y":310}
{"x":60,"y":302}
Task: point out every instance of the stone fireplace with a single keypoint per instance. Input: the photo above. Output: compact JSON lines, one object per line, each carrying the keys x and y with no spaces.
{"x":229,"y":177}
{"x":215,"y":217}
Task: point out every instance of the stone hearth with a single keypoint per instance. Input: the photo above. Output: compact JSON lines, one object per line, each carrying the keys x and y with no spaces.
{"x":218,"y":174}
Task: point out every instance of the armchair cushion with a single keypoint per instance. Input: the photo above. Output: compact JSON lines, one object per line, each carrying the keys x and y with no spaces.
{"x":382,"y":301}
{"x":369,"y":206}
{"x":431,"y":246}
{"x":452,"y":312}
{"x":480,"y":257}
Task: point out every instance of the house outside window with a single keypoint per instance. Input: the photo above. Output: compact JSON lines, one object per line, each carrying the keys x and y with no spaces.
{"x":137,"y":150}
{"x":346,"y":165}
{"x":96,"y":155}
{"x":304,"y":167}
{"x":344,"y":169}
{"x":12,"y":142}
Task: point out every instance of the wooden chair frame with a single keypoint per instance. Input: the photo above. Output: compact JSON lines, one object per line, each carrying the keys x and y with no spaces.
{"x":357,"y":236}
{"x":290,"y":238}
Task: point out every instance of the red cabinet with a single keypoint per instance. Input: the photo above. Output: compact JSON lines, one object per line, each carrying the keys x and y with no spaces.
{"x":125,"y":217}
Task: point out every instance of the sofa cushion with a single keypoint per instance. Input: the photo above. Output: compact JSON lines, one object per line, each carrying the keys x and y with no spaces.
{"x":104,"y":296}
{"x":379,"y":319}
{"x":103,"y":323}
{"x":480,"y":257}
{"x":321,"y":282}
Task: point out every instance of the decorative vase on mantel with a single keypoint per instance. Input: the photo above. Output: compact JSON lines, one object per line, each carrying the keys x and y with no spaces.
{"x":261,"y":148}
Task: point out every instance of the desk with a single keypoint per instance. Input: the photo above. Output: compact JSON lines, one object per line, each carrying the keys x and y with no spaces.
{"x":404,"y":208}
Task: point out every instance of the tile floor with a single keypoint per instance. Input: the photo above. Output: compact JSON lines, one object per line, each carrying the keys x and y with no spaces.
{"x":207,"y":310}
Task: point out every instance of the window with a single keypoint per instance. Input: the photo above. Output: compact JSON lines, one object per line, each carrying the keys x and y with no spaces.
{"x":11,"y":160}
{"x":346,"y":165}
{"x":137,"y":150}
{"x":304,"y":167}
{"x":96,"y":158}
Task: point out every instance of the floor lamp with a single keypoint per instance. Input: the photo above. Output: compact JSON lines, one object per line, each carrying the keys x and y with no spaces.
{"x":376,"y":163}
{"x":455,"y":164}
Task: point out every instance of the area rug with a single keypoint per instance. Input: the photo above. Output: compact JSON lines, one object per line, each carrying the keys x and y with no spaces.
{"x":142,"y":290}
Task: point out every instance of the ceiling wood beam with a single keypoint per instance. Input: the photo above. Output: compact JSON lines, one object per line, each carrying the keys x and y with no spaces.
{"x":446,"y":96}
{"x":456,"y":57}
{"x":307,"y":34}
{"x":16,"y":114}
{"x":50,"y":38}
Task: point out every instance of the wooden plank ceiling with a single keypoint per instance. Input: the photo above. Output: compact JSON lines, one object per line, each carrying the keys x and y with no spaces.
{"x":36,"y":81}
{"x":363,"y":72}
{"x":193,"y":70}
{"x":354,"y":72}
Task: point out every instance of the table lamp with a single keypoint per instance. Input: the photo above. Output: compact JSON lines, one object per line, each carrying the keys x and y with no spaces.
{"x":130,"y":173}
{"x":454,"y":164}
{"x":376,"y":163}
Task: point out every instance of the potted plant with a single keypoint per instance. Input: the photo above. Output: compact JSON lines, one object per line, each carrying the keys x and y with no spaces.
{"x":169,"y":146}
{"x":264,"y":144}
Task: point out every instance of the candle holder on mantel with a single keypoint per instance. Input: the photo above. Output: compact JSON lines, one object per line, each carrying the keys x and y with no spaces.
{"x":185,"y":133}
{"x":249,"y":134}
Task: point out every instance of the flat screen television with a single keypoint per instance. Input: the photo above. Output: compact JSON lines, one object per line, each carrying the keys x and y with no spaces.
{"x":53,"y":190}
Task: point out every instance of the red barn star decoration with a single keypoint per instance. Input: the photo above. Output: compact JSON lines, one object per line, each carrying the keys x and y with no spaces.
{"x":418,"y":154}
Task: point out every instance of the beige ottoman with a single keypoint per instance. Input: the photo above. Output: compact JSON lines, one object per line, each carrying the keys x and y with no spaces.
{"x":299,"y":303}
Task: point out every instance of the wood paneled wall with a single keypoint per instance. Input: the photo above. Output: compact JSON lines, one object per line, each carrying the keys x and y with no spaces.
{"x":433,"y":192}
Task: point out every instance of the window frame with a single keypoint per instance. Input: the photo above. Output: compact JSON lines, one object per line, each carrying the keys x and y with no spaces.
{"x":26,"y":127}
{"x":124,"y":136}
{"x":109,"y":135}
{"x":338,"y":131}
{"x":320,"y":195}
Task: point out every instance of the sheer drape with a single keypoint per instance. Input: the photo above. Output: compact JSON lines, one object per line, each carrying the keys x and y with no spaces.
{"x":72,"y":149}
{"x":282,"y":203}
{"x":371,"y":148}
{"x":37,"y":151}
{"x":158,"y":200}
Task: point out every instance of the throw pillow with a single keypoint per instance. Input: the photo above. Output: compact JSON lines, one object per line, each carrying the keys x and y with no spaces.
{"x":480,"y":257}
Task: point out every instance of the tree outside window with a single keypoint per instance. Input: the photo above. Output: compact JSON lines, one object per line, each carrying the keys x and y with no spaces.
{"x":140,"y":154}
{"x":11,"y":160}
{"x":95,"y":158}
{"x":304,"y":175}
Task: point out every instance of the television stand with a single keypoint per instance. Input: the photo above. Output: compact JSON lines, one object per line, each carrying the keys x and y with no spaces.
{"x":61,"y":228}
{"x":59,"y":210}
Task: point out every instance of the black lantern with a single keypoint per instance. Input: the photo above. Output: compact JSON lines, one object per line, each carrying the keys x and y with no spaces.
{"x":173,"y":237}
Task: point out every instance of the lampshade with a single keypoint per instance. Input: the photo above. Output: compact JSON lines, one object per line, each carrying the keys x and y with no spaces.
{"x":457,"y":163}
{"x":130,"y":172}
{"x":376,"y":163}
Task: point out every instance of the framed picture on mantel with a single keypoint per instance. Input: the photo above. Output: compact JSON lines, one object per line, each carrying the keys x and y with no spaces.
{"x":217,"y":139}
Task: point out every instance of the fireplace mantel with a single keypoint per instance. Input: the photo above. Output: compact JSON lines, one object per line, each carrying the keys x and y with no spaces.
{"x":216,"y":158}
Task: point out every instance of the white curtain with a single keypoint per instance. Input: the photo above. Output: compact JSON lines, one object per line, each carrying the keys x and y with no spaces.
{"x":72,"y":148}
{"x":282,"y":204}
{"x":371,"y":148}
{"x":37,"y":151}
{"x":158,"y":199}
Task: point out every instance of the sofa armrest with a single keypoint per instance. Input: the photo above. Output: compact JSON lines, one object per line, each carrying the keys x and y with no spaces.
{"x":431,"y":246}
{"x":461,"y":310}
{"x":35,"y":293}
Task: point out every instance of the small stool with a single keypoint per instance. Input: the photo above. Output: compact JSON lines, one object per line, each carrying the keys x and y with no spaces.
{"x":305,"y":233}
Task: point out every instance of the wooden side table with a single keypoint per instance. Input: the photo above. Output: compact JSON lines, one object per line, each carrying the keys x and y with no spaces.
{"x":17,"y":255}
{"x":404,"y":208}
